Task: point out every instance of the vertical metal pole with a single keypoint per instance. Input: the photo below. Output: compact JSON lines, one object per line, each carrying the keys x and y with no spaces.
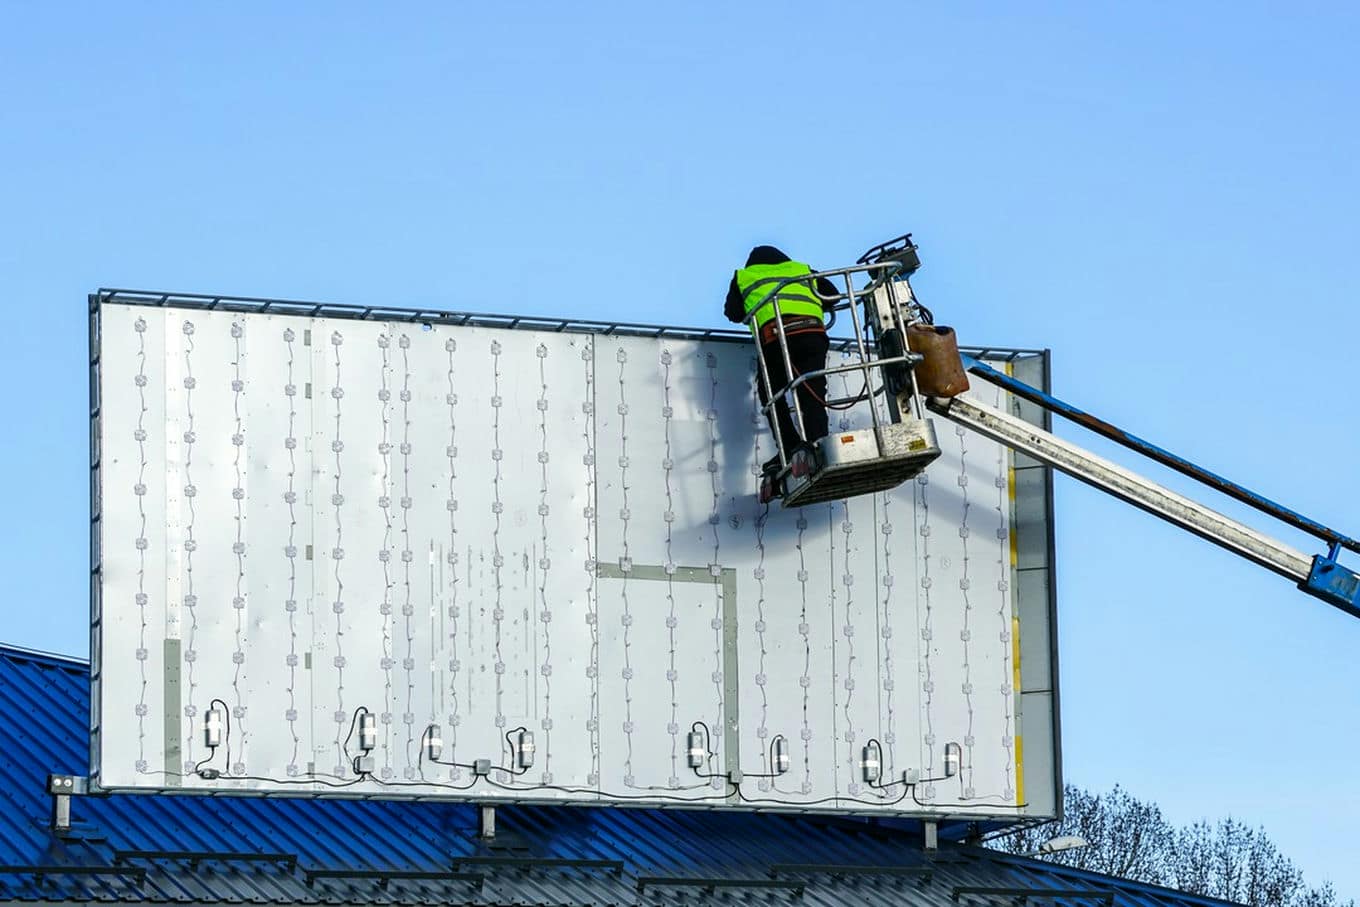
{"x":731,"y":739}
{"x":770,"y":398}
{"x":899,"y":323}
{"x":788,"y":370}
{"x":906,"y":346}
{"x":61,"y":812}
{"x":864,"y":361}
{"x":899,"y":320}
{"x":96,"y":626}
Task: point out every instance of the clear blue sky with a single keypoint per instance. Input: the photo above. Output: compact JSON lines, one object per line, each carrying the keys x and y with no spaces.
{"x":1163,"y":193}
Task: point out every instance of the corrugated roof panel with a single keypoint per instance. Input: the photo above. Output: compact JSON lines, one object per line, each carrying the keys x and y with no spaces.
{"x":53,"y":694}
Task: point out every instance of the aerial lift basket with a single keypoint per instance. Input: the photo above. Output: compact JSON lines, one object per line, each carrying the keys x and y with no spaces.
{"x":901,"y":442}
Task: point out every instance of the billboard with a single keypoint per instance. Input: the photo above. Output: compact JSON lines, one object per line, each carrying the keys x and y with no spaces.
{"x":341,"y":535}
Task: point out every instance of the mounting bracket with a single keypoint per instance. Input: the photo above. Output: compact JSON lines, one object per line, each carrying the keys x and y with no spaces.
{"x":63,"y":788}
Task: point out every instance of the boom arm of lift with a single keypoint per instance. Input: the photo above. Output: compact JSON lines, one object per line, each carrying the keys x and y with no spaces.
{"x":1319,"y":575}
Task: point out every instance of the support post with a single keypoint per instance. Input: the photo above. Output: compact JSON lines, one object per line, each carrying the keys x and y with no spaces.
{"x":62,"y":788}
{"x":61,"y":812}
{"x":932,"y":829}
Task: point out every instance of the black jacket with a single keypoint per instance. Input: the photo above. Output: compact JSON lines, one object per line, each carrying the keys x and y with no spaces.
{"x":735,"y":307}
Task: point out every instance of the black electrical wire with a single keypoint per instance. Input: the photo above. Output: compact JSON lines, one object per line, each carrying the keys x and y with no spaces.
{"x":500,"y":768}
{"x":849,"y":404}
{"x":511,"y":747}
{"x":882,"y":801}
{"x":737,"y":786}
{"x":879,"y":747}
{"x":909,"y":788}
{"x":800,"y":803}
{"x":323,"y":780}
{"x":589,"y":790}
{"x":917,"y":781}
{"x":423,"y":783}
{"x":420,"y":760}
{"x":947,"y":807}
{"x":354,"y":760}
{"x":612,"y":796}
{"x":312,"y":779}
{"x":709,"y":753}
{"x":912,"y":785}
{"x":226,"y":745}
{"x":353,"y":722}
{"x":769,"y":752}
{"x":712,"y":755}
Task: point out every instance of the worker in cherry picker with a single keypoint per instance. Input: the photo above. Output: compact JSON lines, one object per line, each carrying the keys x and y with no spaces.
{"x":801,"y":310}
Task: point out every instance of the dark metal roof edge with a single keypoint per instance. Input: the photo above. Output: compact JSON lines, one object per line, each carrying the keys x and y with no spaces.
{"x":683,"y":842}
{"x":1113,"y":882}
{"x":72,"y":663}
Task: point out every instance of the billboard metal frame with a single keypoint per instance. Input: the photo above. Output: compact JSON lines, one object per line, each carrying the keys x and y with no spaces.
{"x":1031,"y":365}
{"x":261,"y":305}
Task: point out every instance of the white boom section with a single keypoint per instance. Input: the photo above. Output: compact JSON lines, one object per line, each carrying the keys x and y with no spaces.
{"x":1128,"y":486}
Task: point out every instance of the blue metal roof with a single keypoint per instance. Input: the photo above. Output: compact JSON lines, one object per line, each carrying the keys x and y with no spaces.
{"x":45,"y":702}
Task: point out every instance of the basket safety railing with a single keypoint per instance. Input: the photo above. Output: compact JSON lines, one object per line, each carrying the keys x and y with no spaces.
{"x":901,"y":312}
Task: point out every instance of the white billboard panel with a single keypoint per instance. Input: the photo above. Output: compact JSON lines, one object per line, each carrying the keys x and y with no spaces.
{"x":303,"y":519}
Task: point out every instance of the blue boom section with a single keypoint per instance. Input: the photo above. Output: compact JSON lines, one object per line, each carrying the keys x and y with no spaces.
{"x":1334,"y":583}
{"x":1328,"y":579}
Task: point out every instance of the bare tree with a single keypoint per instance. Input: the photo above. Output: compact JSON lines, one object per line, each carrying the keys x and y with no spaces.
{"x":1130,"y":838}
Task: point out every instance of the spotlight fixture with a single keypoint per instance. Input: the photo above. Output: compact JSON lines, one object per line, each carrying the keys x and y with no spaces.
{"x":524,"y":749}
{"x":953,"y":759}
{"x":213,"y":720}
{"x":871,"y":763}
{"x":781,"y":755}
{"x":695,"y":751}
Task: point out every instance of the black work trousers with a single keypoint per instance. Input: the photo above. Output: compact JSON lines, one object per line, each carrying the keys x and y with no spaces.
{"x":807,"y":352}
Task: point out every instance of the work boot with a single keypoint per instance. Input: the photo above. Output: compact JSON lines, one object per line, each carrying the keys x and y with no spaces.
{"x":771,"y":486}
{"x":769,"y":489}
{"x":803,"y":461}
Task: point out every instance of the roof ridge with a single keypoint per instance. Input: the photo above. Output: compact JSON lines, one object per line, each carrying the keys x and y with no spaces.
{"x":54,"y":659}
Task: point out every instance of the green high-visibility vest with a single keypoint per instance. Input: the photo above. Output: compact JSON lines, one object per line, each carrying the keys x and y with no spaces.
{"x":757,"y":282}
